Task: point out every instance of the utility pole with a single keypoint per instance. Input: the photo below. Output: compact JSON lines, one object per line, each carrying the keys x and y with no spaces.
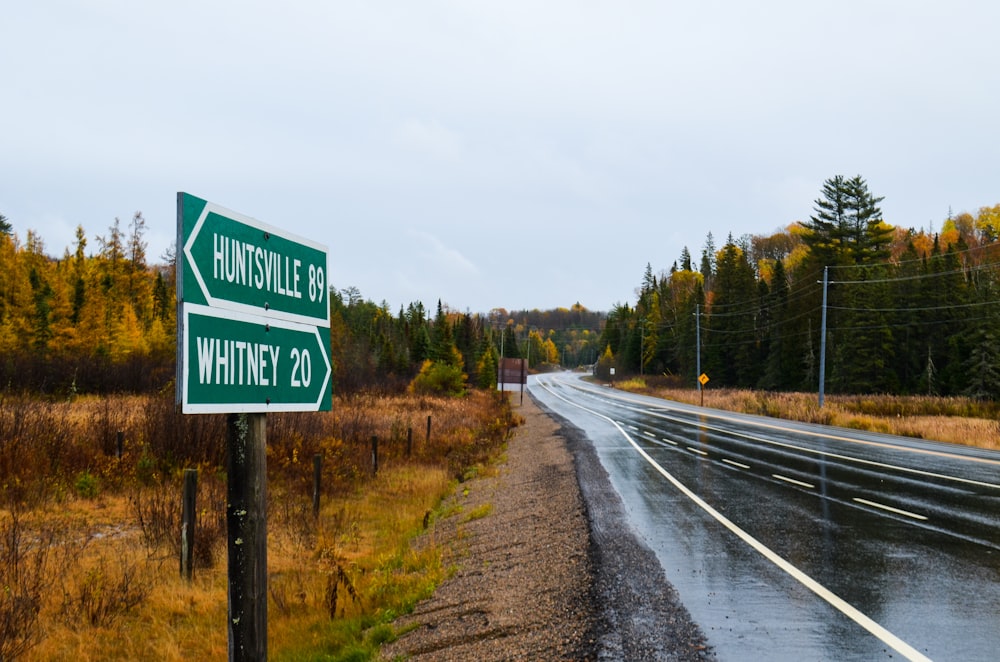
{"x":697,"y":344}
{"x":642,"y":348}
{"x":822,"y":339}
{"x":500,"y":376}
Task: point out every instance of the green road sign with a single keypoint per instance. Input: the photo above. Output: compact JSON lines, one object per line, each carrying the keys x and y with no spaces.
{"x":235,"y":262}
{"x":234,"y":363}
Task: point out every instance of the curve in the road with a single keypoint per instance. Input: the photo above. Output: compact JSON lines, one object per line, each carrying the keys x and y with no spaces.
{"x":824,"y":593}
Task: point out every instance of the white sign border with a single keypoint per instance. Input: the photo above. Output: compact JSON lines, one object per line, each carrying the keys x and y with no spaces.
{"x":248,"y":407}
{"x":271,"y":313}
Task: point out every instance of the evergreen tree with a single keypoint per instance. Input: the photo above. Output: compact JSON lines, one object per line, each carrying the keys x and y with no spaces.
{"x":415,"y":329}
{"x":685,"y":259}
{"x":41,"y":293}
{"x":690,"y":304}
{"x":535,"y":349}
{"x":605,"y":363}
{"x":137,"y":281}
{"x":708,"y":262}
{"x":648,"y":281}
{"x":956,"y":322}
{"x":908,"y":321}
{"x":731,"y":322}
{"x":630,"y":356}
{"x":780,"y":361}
{"x":466,"y":342}
{"x":79,"y":275}
{"x":983,"y":364}
{"x":509,"y":343}
{"x":863,"y":340}
{"x":651,"y":323}
{"x":487,"y":366}
{"x":615,"y":330}
{"x":847,"y":227}
{"x":443,"y":349}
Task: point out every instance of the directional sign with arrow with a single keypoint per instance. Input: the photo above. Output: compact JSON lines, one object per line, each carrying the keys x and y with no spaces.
{"x":253,"y":330}
{"x":235,"y":363}
{"x":235,"y":262}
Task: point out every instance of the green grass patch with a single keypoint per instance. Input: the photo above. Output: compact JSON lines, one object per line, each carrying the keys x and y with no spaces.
{"x":479,"y":512}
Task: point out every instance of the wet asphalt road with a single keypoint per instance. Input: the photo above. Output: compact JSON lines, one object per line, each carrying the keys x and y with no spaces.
{"x":794,"y":542}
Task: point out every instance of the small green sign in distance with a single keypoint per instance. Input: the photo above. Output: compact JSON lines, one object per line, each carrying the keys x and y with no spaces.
{"x":234,"y":363}
{"x":232,"y":261}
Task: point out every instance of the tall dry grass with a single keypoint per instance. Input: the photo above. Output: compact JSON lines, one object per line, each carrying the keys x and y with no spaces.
{"x":954,"y":420}
{"x":89,"y":541}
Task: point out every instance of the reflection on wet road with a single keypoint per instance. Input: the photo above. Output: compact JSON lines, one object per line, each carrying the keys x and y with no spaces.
{"x":791,"y":542}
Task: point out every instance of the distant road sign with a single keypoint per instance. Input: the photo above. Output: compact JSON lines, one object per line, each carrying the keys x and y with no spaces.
{"x":235,"y":363}
{"x":235,"y":262}
{"x":703,"y":379}
{"x":513,"y":371}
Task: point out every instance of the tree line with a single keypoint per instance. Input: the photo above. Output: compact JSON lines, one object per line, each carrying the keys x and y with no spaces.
{"x":372,"y":346}
{"x":908,"y":311}
{"x":104,"y":320}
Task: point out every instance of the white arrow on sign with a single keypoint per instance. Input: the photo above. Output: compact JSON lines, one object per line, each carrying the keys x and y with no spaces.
{"x":291,"y":295}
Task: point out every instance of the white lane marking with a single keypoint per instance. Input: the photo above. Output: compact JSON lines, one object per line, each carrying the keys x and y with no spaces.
{"x":846,"y":608}
{"x":921,"y":451}
{"x":793,"y":481}
{"x":659,"y":443}
{"x":697,"y":450}
{"x":898,"y":511}
{"x":669,"y":441}
{"x":736,"y":464}
{"x":838,"y":456}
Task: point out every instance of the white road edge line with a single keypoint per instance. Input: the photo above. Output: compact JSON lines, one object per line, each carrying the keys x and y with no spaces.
{"x":898,"y":511}
{"x":735,"y":463}
{"x":793,"y":481}
{"x":823,"y":592}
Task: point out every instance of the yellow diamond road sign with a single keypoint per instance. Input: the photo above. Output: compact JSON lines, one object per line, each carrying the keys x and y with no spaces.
{"x":703,"y":379}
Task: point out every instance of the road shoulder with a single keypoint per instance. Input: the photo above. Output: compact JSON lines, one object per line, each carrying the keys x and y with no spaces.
{"x":523,"y":580}
{"x":553,"y":571}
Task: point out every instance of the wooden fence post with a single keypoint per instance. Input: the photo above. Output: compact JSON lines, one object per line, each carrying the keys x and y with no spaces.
{"x":374,"y":455}
{"x":317,"y":478}
{"x":188,"y":515}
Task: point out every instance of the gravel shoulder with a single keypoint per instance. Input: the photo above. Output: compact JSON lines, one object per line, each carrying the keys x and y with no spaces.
{"x":546,"y":566}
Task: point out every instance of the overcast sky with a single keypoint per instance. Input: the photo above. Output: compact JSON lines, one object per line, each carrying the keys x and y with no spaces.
{"x":493,"y":154}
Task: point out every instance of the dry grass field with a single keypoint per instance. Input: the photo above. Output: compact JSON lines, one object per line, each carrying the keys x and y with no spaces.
{"x":89,"y":541}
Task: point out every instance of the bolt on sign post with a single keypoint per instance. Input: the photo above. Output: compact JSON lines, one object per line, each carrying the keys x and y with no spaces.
{"x":253,"y":336}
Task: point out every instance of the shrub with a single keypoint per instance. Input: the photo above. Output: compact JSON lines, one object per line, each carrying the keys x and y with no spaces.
{"x":86,"y":485}
{"x":23,"y":568}
{"x":103,"y":594}
{"x":438,"y":378}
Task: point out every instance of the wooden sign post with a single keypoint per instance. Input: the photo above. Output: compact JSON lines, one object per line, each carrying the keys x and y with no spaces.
{"x":253,"y":336}
{"x":246,"y":524}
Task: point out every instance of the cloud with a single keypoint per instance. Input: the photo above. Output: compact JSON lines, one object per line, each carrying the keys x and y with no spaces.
{"x":429,"y":138}
{"x":433,"y":270}
{"x":441,"y":257}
